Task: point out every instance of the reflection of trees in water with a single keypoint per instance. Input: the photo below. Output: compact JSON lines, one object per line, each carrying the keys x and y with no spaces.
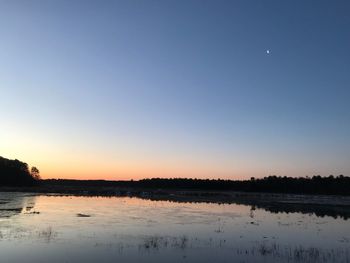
{"x":251,"y":213}
{"x":273,"y":207}
{"x":14,"y":203}
{"x":318,"y":210}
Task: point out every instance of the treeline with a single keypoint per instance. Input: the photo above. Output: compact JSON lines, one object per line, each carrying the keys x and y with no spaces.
{"x":339,"y":185}
{"x":331,"y":185}
{"x":17,"y":173}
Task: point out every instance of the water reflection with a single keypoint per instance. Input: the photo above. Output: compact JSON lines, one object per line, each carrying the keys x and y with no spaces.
{"x":317,"y":210}
{"x":15,"y":203}
{"x":139,"y":230}
{"x":334,"y":211}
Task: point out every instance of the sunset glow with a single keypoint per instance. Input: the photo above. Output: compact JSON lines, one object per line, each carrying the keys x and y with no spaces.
{"x":130,"y":90}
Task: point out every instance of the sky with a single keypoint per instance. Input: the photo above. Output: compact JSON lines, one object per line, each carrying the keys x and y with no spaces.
{"x":207,"y":89}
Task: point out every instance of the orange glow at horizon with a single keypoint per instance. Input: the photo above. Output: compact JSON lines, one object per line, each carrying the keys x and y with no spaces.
{"x":97,"y":171}
{"x":55,"y":161}
{"x":58,"y":159}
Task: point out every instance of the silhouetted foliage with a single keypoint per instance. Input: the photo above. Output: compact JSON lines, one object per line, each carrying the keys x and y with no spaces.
{"x":16,"y":173}
{"x":330,"y":185}
{"x":35,"y":173}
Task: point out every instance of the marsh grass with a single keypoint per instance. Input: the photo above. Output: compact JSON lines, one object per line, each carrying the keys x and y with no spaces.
{"x":158,"y":242}
{"x":32,"y":213}
{"x":47,"y":234}
{"x":297,"y":253}
{"x":272,"y":252}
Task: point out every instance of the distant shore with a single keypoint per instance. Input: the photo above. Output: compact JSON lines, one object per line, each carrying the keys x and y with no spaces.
{"x":260,"y":191}
{"x":190,"y":195}
{"x":323,"y":196}
{"x":321,"y":205}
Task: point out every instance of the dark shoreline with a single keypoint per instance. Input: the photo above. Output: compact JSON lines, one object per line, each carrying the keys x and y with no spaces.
{"x":315,"y":185}
{"x":320,"y":205}
{"x":183,"y":194}
{"x":327,"y":196}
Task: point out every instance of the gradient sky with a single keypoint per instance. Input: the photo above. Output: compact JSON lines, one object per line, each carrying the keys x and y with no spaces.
{"x":133,"y":89}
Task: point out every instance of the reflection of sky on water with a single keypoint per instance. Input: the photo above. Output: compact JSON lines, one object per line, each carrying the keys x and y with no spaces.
{"x":128,"y":229}
{"x":15,"y":203}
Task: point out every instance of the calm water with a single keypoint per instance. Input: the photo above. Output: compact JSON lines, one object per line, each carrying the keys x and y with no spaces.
{"x":36,"y":228}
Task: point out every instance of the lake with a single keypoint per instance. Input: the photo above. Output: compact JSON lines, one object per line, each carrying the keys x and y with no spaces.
{"x":53,"y":228}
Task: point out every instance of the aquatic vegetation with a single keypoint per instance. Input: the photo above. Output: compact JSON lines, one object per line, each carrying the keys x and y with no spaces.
{"x":183,"y":242}
{"x":264,"y":250}
{"x":32,"y":213}
{"x":19,"y":209}
{"x":154,"y":242}
{"x":83,"y":215}
{"x":157,"y":242}
{"x":298,"y":253}
{"x":47,"y":234}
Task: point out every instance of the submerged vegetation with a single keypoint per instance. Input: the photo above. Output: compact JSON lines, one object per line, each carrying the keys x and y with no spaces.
{"x":17,"y":173}
{"x":47,"y":234}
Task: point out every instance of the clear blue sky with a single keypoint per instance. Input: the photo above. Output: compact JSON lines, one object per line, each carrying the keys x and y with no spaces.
{"x":132,"y":89}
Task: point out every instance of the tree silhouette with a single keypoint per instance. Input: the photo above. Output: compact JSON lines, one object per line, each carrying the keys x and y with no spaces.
{"x":16,"y":173}
{"x":35,"y":173}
